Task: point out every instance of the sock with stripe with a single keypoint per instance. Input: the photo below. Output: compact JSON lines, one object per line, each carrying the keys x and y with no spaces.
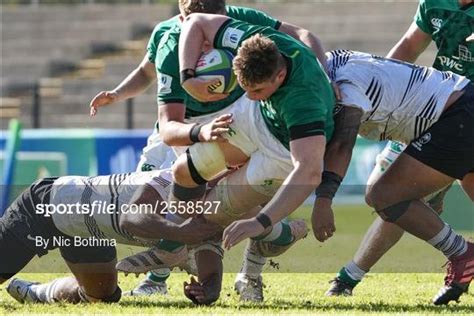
{"x":279,"y":235}
{"x":450,"y":243}
{"x":351,"y":273}
{"x":64,"y":289}
{"x":253,"y":263}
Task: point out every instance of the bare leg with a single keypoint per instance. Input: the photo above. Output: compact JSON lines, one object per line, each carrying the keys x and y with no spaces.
{"x":410,"y":180}
{"x":84,"y":286}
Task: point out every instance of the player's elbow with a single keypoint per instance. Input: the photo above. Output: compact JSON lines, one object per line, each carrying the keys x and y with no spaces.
{"x":311,"y":173}
{"x":169,"y":134}
{"x":195,"y":20}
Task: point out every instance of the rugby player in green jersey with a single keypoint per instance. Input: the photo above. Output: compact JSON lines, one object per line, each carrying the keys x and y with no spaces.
{"x":161,"y":61}
{"x":288,"y":128}
{"x":450,"y":25}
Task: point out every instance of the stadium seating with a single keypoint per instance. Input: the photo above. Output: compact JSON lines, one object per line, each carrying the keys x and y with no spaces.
{"x":91,"y":48}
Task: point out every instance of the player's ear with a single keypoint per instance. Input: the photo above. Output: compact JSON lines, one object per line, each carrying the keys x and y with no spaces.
{"x":280,"y":77}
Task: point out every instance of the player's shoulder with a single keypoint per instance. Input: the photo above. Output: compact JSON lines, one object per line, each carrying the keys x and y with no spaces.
{"x":164,"y":26}
{"x":428,"y":5}
{"x":168,"y":48}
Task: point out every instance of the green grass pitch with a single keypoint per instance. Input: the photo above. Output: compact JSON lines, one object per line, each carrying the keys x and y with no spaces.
{"x":404,"y":281}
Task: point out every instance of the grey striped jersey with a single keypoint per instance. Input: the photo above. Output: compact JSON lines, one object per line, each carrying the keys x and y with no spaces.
{"x":92,"y":206}
{"x":399,"y":100}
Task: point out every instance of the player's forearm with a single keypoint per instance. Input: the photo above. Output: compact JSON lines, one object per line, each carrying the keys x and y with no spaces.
{"x":339,"y":150}
{"x":403,"y":51}
{"x":411,"y":45}
{"x":133,"y":85}
{"x":175,"y":133}
{"x":299,"y":184}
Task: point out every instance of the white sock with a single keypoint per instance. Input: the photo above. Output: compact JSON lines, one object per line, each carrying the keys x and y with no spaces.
{"x":450,"y":243}
{"x":253,"y":263}
{"x":354,"y":271}
{"x":43,"y":293}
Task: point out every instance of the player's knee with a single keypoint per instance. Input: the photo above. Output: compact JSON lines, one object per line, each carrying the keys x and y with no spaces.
{"x":181,"y":171}
{"x":379,"y":196}
{"x":205,"y":162}
{"x":393,"y":212}
{"x":100,"y":296}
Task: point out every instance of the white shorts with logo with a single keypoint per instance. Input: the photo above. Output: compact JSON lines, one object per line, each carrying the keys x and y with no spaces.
{"x":156,"y":155}
{"x":270,"y":162}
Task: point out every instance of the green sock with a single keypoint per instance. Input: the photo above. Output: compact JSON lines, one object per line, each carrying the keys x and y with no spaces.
{"x":346,"y":278}
{"x":168,"y":245}
{"x":159,"y":275}
{"x":279,"y":235}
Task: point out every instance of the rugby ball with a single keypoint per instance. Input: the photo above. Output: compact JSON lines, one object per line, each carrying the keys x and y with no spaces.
{"x":217,"y":64}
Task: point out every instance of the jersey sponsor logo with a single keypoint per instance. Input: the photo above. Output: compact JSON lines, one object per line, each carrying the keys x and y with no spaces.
{"x":423,"y":140}
{"x":450,"y":63}
{"x":464,"y":54}
{"x":436,"y":22}
{"x":164,"y":83}
{"x":232,"y":37}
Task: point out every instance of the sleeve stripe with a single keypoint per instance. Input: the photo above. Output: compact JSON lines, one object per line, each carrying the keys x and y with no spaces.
{"x":307,"y":130}
{"x":219,"y":32}
{"x":277,"y":25}
{"x":168,"y":101}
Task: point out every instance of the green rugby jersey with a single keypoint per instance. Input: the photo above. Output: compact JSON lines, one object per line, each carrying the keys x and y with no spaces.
{"x":157,"y":34}
{"x":450,"y":26}
{"x":303,"y":105}
{"x":167,"y":65}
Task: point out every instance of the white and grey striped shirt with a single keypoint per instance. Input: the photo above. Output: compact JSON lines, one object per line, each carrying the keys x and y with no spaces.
{"x":399,"y":100}
{"x":101,"y":202}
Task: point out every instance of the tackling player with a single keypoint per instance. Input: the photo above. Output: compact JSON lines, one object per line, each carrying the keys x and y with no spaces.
{"x":285,"y":134}
{"x":449,"y":25}
{"x":86,"y":235}
{"x":179,"y":112}
{"x":430,"y":110}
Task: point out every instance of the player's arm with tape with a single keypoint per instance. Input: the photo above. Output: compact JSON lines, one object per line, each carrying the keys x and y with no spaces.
{"x":175,"y":132}
{"x":150,"y":225}
{"x":198,"y":31}
{"x":336,"y":162}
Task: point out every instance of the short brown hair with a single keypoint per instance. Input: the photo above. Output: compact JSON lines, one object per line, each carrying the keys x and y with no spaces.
{"x":201,"y":6}
{"x":258,"y":60}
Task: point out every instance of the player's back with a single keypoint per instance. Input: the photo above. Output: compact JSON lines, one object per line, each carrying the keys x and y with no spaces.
{"x":399,"y":100}
{"x":91,"y":206}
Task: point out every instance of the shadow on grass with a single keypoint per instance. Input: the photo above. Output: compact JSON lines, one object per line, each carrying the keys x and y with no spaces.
{"x":344,"y":305}
{"x":281,"y":305}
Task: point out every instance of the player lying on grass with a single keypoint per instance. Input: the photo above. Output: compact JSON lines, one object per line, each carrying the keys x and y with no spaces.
{"x":284,"y":135}
{"x":430,"y":110}
{"x":175,"y":105}
{"x":101,"y":211}
{"x":452,"y":41}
